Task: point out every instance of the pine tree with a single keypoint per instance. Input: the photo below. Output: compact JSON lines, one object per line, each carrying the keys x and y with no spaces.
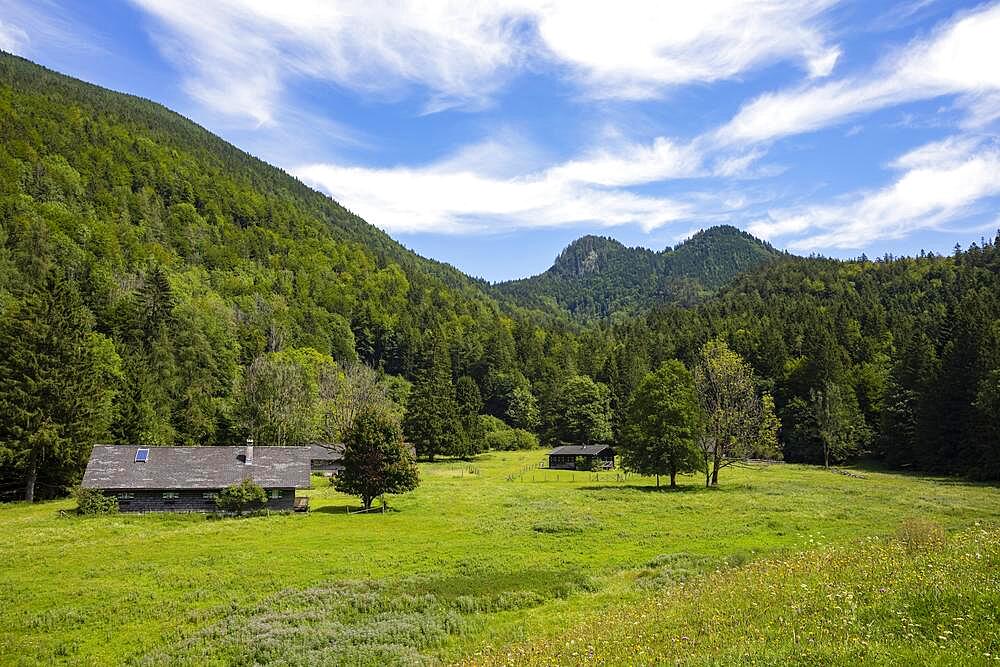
{"x":432,"y":421}
{"x":470,"y":405}
{"x":56,"y":398}
{"x":904,"y":427}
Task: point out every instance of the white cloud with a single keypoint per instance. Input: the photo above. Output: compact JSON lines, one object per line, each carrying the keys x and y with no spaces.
{"x":823,"y":64}
{"x":453,"y":196}
{"x":632,"y":164}
{"x":633,"y":48}
{"x":29,"y":26}
{"x":941,"y":182}
{"x":239,"y":55}
{"x":960,"y":59}
{"x":948,"y":152}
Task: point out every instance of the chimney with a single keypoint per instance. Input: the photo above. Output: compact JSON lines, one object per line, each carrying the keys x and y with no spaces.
{"x":248,"y":458}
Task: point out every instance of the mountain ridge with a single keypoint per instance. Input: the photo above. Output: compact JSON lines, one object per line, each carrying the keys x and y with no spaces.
{"x":598,"y":276}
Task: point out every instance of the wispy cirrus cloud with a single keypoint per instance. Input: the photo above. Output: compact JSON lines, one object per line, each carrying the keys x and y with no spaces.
{"x":238,"y":56}
{"x":960,"y":59}
{"x":12,"y":38}
{"x":637,"y":48}
{"x":452,"y":196}
{"x":941,"y":182}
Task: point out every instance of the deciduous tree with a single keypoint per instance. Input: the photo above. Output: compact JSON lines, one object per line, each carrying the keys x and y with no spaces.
{"x":738,"y":423}
{"x":838,"y":422}
{"x":581,"y":413}
{"x":662,"y":425}
{"x":376,"y":461}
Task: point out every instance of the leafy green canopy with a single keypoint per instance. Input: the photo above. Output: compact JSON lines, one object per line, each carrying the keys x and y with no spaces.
{"x":581,"y":413}
{"x":664,"y":421}
{"x":376,"y":461}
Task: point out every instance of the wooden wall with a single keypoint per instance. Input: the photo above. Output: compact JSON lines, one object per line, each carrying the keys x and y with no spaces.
{"x":144,"y":500}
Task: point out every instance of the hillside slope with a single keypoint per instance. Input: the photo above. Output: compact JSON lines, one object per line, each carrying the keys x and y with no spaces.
{"x":192,"y":258}
{"x":595,"y":277}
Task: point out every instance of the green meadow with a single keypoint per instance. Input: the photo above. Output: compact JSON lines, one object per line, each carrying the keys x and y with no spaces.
{"x":496,"y":561}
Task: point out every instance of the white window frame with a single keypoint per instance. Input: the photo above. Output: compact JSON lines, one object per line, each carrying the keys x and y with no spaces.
{"x":276,"y":494}
{"x":171,"y":495}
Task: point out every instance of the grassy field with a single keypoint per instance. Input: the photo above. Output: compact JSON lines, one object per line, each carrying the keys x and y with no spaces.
{"x":496,"y":561}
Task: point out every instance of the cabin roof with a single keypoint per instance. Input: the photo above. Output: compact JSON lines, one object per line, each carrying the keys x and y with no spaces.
{"x":334,"y":451}
{"x":117,"y":467}
{"x":581,"y":450}
{"x":326,"y":452}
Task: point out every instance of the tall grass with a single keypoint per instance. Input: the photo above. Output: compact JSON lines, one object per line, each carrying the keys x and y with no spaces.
{"x":878,"y":601}
{"x":474,"y":559}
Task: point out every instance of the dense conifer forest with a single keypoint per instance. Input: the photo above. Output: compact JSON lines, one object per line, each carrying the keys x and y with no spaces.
{"x":154,"y":279}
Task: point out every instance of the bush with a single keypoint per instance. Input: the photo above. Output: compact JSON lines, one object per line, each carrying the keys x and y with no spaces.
{"x":240,"y":497}
{"x":511,"y":439}
{"x":93,"y":501}
{"x":491,"y":424}
{"x":918,"y":535}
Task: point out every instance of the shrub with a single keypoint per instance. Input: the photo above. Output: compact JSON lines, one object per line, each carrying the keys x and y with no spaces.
{"x":918,"y":535}
{"x":492,"y":424}
{"x":511,"y":439}
{"x":93,"y":501}
{"x":239,"y":497}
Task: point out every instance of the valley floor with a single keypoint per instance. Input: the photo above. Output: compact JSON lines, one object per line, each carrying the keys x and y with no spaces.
{"x":496,"y":561}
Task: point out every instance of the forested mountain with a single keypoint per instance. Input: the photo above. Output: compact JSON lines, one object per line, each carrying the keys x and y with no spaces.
{"x":908,"y":349}
{"x":182,"y":260}
{"x":595,"y":276}
{"x":159,"y":286}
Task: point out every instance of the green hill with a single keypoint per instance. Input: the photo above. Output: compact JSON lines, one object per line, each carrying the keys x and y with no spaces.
{"x":192,"y":258}
{"x":595,"y":276}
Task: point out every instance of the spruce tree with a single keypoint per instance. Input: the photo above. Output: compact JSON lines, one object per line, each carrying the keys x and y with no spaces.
{"x":432,"y":421}
{"x":470,"y":405}
{"x":56,"y":376}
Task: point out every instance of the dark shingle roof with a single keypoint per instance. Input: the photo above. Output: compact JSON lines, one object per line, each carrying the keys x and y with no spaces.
{"x":114,"y":467}
{"x":335,"y":451}
{"x":580,"y":450}
{"x":331,"y":452}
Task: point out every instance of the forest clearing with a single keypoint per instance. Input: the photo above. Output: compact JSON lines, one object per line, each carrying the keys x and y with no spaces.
{"x":498,"y":553}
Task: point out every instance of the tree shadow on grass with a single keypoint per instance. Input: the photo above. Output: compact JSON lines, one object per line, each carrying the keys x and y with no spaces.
{"x":680,"y":488}
{"x":350,"y":509}
{"x":875,"y":466}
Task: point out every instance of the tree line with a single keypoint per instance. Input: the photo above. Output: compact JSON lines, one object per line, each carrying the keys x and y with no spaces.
{"x":160,"y":287}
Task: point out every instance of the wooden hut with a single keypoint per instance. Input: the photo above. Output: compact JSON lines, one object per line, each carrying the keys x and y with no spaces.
{"x":582,"y":457}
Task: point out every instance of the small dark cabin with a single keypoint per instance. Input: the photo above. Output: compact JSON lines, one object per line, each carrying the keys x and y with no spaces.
{"x":187,"y":479}
{"x":582,"y":457}
{"x":326,"y":460}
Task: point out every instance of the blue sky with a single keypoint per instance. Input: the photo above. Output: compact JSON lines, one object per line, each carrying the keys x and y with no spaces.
{"x":490,"y":135}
